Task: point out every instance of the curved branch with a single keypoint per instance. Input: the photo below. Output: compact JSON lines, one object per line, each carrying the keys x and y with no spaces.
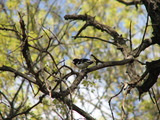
{"x":82,"y":74}
{"x":109,"y":102}
{"x":74,"y":107}
{"x":153,"y":9}
{"x":145,"y":44}
{"x":134,"y":2}
{"x":153,"y":68}
{"x":17,"y":73}
{"x":90,"y":21}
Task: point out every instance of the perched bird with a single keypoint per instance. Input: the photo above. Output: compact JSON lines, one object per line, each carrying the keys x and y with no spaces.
{"x":82,"y":63}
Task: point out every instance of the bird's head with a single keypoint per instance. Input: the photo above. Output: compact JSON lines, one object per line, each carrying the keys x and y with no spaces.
{"x":75,"y":60}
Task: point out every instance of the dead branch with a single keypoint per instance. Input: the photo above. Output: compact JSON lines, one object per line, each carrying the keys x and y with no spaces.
{"x":90,"y":21}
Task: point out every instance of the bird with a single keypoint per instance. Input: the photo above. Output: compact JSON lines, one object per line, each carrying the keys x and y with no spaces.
{"x":82,"y":63}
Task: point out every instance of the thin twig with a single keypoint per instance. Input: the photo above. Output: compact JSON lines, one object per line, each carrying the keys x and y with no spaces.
{"x":83,"y":28}
{"x":145,"y":30}
{"x":29,"y":109}
{"x":113,"y":43}
{"x":111,"y":99}
{"x":130,"y":35}
{"x":123,"y":103}
{"x":154,"y":96}
{"x":150,"y":95}
{"x":97,"y":60}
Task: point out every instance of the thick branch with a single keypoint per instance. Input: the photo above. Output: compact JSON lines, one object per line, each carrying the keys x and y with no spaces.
{"x":25,"y":46}
{"x":153,"y":9}
{"x":90,"y":21}
{"x":17,"y":73}
{"x":153,"y":68}
{"x":77,"y":81}
{"x":79,"y":110}
{"x":109,"y":64}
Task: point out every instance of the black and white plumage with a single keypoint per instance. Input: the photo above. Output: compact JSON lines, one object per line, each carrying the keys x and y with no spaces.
{"x":82,"y":63}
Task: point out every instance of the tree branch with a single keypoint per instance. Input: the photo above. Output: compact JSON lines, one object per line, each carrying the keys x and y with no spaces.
{"x":97,"y":39}
{"x":74,"y":107}
{"x":29,"y":109}
{"x":82,"y":74}
{"x":153,"y":9}
{"x":17,"y":73}
{"x":153,"y":69}
{"x":90,"y":21}
{"x":134,"y":2}
{"x":25,"y":46}
{"x":109,"y":102}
